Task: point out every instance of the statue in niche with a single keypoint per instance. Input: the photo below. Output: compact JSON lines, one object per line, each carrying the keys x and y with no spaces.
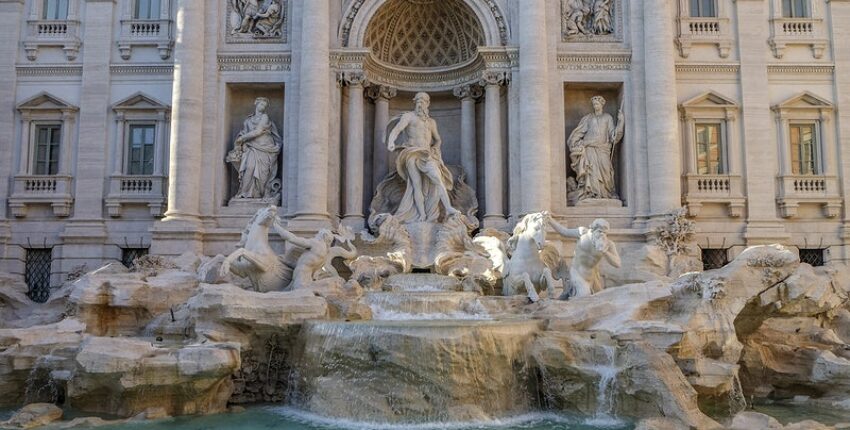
{"x":592,"y":146}
{"x":587,"y":17}
{"x":592,"y":246}
{"x":420,"y":165}
{"x":255,"y":155}
{"x":260,"y":18}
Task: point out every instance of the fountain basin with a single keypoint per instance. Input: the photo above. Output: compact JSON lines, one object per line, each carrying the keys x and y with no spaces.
{"x":416,"y":371}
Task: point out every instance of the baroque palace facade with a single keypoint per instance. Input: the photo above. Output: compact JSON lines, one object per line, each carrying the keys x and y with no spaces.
{"x":119,"y":118}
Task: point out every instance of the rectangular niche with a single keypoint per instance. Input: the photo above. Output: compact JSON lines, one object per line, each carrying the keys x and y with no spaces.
{"x":577,"y":104}
{"x":239,"y":105}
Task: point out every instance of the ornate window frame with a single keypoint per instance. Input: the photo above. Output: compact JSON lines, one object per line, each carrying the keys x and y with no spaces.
{"x":55,"y":190}
{"x":821,"y":188}
{"x":704,"y":30}
{"x":807,"y":31}
{"x":125,"y":189}
{"x":63,"y":33}
{"x":145,"y":32}
{"x":725,"y":188}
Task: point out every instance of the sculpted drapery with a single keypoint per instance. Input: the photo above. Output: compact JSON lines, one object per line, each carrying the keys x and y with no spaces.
{"x":420,"y":164}
{"x":256,"y":152}
{"x":591,"y":147}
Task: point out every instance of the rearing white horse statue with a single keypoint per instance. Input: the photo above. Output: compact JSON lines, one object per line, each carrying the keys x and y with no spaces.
{"x":255,"y":259}
{"x":531,"y":262}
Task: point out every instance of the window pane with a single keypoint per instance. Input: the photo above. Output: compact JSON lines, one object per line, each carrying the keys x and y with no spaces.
{"x":46,"y":153}
{"x":804,"y":149}
{"x":141,"y":149}
{"x":709,"y":149}
{"x":55,"y":9}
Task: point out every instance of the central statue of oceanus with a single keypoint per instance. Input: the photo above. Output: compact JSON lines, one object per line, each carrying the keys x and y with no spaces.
{"x":420,"y":164}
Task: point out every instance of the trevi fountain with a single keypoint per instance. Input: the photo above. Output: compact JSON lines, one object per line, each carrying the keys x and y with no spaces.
{"x":304,"y":281}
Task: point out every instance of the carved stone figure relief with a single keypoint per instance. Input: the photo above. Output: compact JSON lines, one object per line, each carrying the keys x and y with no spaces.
{"x":592,"y":145}
{"x":256,"y":19}
{"x":255,"y":156}
{"x":587,"y":18}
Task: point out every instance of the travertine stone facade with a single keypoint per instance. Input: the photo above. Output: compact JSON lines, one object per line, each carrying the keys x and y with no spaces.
{"x":116,"y":119}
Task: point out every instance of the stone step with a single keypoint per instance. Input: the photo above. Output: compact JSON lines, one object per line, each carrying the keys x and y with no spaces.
{"x":425,"y":305}
{"x":422,"y":282}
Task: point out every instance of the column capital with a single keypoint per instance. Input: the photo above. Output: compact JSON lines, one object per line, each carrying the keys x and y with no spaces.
{"x":492,"y":77}
{"x":376,"y":92}
{"x":469,"y":91}
{"x":354,"y":79}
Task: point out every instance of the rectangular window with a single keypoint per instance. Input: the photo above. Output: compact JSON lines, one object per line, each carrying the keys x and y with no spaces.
{"x":709,"y":149}
{"x":814,"y":257}
{"x":141,"y":148}
{"x":46,"y":159}
{"x":714,"y":258}
{"x":37,"y":273}
{"x":147,"y":9}
{"x":56,"y":9}
{"x":704,"y":8}
{"x":804,"y":152}
{"x":796,"y":9}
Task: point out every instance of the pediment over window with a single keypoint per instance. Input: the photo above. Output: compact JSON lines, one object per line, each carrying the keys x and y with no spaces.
{"x":805,"y":100}
{"x":45,"y":102}
{"x":138,"y":102}
{"x":710,"y":99}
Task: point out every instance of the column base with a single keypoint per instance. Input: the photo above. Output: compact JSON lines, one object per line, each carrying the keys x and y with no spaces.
{"x":497,"y":222}
{"x":356,"y":223}
{"x":175,"y":236}
{"x":309,"y":223}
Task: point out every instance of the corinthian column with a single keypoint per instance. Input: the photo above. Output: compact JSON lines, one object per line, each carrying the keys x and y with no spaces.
{"x":467,"y":95}
{"x":494,"y":205}
{"x":665,"y":184}
{"x":184,"y":172}
{"x":353,"y":216}
{"x":535,"y":159}
{"x":382,"y":96}
{"x":313,"y":111}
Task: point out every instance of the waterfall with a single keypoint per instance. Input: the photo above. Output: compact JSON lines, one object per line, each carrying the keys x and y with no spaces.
{"x":606,"y":389}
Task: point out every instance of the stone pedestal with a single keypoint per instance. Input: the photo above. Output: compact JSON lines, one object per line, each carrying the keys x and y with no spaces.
{"x":600,"y":203}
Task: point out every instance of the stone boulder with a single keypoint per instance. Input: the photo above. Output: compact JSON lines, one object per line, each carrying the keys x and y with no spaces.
{"x":36,"y":361}
{"x":121,"y":304}
{"x":32,"y":416}
{"x":795,"y":337}
{"x":597,"y":375}
{"x":124,"y":377}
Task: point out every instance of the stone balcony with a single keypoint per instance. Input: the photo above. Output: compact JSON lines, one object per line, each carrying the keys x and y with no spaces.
{"x":48,"y":32}
{"x":798,"y":31}
{"x":145,"y":32}
{"x":136,"y":190}
{"x":34,"y":190}
{"x":706,"y":31}
{"x":797,"y":189}
{"x":714,"y":189}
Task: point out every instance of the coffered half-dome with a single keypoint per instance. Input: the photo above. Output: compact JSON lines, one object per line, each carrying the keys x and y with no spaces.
{"x":424,"y":34}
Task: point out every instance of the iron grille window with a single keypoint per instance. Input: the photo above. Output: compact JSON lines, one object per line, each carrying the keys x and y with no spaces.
{"x":37,"y":274}
{"x":815,"y":257}
{"x":714,"y":258}
{"x":129,"y":255}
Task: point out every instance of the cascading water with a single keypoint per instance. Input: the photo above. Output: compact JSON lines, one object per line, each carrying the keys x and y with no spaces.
{"x":606,"y":390}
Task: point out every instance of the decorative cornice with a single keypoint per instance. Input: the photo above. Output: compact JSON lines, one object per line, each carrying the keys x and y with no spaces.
{"x":819,"y":69}
{"x":254,"y":62}
{"x":708,"y":68}
{"x":50,"y":70}
{"x":141,"y":69}
{"x":431,"y":80}
{"x":594,"y":61}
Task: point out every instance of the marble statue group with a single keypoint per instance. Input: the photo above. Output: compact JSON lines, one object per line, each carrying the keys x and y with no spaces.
{"x":421,"y":223}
